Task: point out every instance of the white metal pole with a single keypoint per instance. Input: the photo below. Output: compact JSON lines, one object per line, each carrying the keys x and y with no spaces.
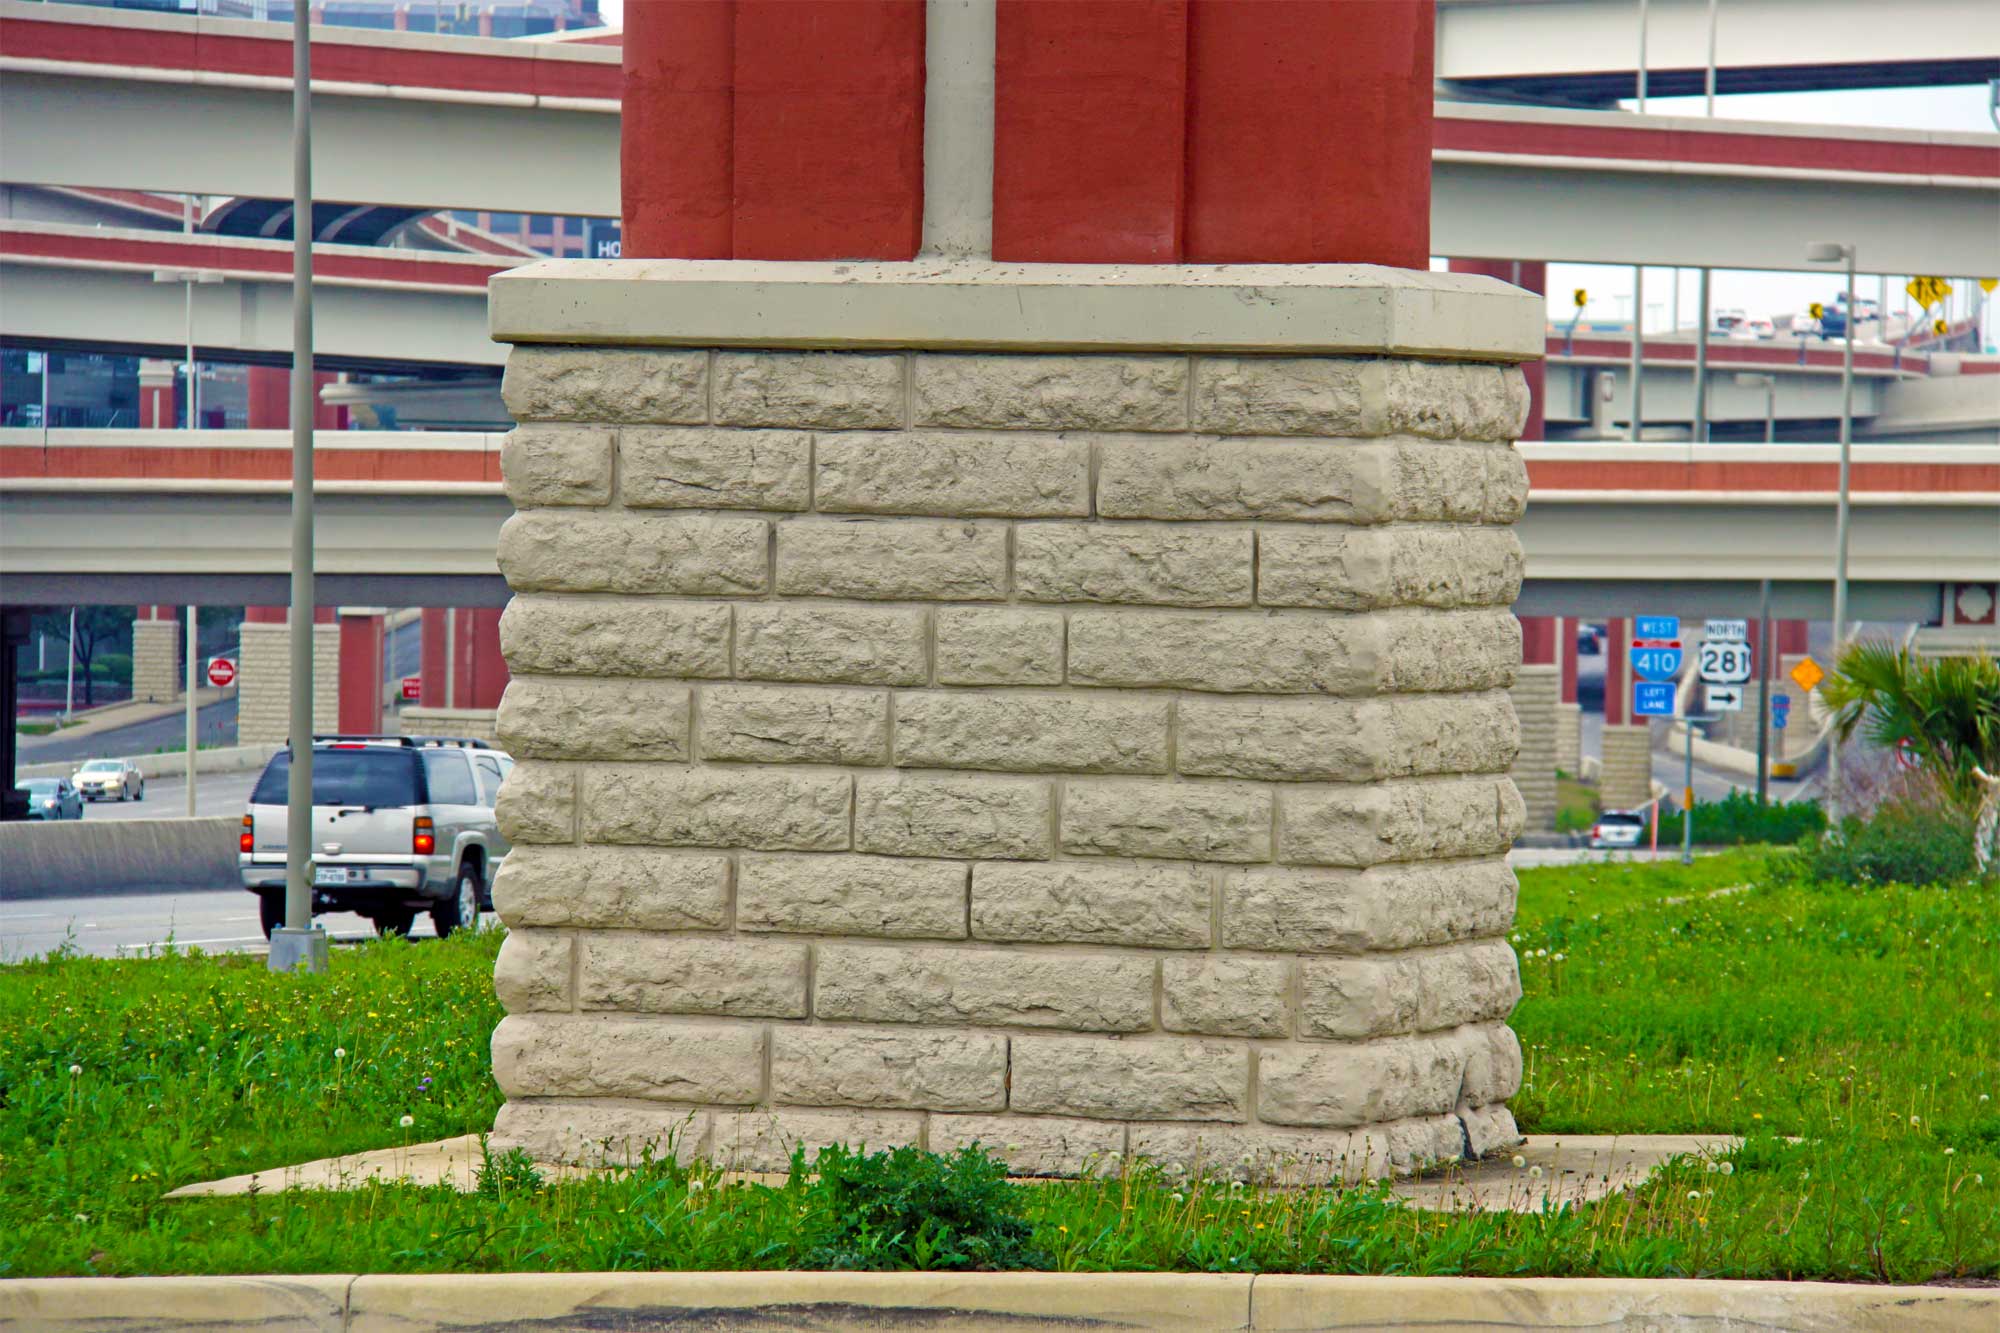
{"x":69,"y":686}
{"x":1840,"y":530}
{"x":1770,"y":409}
{"x":187,"y":227}
{"x":1638,"y":349}
{"x":1701,"y":319}
{"x":451,"y":657}
{"x":193,"y":639}
{"x":1642,"y":57}
{"x":1708,"y":79}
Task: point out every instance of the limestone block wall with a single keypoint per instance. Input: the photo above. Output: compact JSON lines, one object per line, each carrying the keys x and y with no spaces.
{"x":1626,"y":780}
{"x":1536,"y":693}
{"x":264,"y":683}
{"x":158,"y":673}
{"x":1080,"y":754}
{"x":1569,"y":738}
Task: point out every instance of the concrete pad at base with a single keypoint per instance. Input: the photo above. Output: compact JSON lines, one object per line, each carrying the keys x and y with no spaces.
{"x":453,"y":1162}
{"x":161,"y":1304}
{"x":771,"y":1302}
{"x":1557,"y":1169}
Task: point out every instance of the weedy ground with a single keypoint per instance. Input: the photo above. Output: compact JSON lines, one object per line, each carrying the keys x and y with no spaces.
{"x":1863,"y":1024}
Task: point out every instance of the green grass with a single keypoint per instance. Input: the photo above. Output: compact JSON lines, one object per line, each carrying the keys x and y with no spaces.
{"x":1862,"y":1023}
{"x":1576,"y":805}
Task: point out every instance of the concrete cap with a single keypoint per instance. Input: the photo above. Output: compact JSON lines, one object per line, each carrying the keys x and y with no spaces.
{"x":1295,"y":309}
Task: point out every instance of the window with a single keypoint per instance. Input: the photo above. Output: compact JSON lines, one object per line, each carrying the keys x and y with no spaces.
{"x":490,"y":778}
{"x":369,"y":778}
{"x":450,"y":777}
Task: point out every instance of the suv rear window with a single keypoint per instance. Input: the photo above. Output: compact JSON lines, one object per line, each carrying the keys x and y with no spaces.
{"x":346,"y":777}
{"x":1622,"y":817}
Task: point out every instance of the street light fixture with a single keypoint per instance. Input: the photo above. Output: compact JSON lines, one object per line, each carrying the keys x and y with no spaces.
{"x":1833,"y":252}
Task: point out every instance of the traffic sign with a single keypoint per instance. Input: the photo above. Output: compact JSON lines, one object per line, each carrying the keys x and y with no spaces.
{"x":413,"y":687}
{"x":1938,"y":327}
{"x":1656,"y":627}
{"x":1657,"y":661}
{"x":1816,"y":310}
{"x":221,"y":671}
{"x":1781,"y":710}
{"x":1653,"y":699}
{"x":1927,"y":291}
{"x":1988,"y":284}
{"x":1582,"y":298}
{"x":1723,"y":662}
{"x":1726,"y":629}
{"x":1725,"y":698}
{"x":1808,"y":674}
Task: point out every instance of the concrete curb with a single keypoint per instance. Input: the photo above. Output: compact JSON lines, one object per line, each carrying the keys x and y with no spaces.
{"x":166,"y":767}
{"x":108,"y":856}
{"x":938,"y":1302}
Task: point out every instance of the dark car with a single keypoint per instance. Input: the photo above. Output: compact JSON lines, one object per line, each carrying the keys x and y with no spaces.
{"x":52,"y":798}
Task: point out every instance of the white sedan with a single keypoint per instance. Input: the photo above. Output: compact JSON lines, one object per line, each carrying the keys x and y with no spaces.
{"x":107,"y":779}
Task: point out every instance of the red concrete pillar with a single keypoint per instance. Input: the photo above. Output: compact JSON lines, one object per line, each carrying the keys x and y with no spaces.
{"x":1617,"y":685}
{"x":1566,"y":655}
{"x":486,"y":673}
{"x":269,"y":392}
{"x":431,"y":657}
{"x":264,"y":615}
{"x":1532,"y":275}
{"x":1791,"y":636}
{"x":1538,"y":640}
{"x":361,"y":631}
{"x":157,"y":410}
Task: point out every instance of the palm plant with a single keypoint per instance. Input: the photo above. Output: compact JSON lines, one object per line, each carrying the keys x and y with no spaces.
{"x":1947,"y":711}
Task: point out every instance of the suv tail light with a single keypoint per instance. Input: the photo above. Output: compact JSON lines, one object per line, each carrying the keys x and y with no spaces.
{"x":1597,"y":830}
{"x":423,"y":838}
{"x":246,"y":842}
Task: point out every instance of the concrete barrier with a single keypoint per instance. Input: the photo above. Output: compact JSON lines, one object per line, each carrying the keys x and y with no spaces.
{"x":46,"y":860}
{"x":229,"y":759}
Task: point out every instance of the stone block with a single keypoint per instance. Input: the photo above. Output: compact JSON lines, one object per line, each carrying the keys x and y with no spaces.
{"x":1327,"y":740}
{"x":604,"y":384}
{"x":1332,"y":396}
{"x":538,"y":803}
{"x":765,"y":1140}
{"x":770,"y":810}
{"x":1368,"y":569}
{"x":1027,"y":392}
{"x":1436,"y":651}
{"x":557,"y":465}
{"x":1488,"y":1130}
{"x":550,"y":550}
{"x":849,"y":645}
{"x":882,"y":896}
{"x":1506,"y":486}
{"x":601,"y":1132}
{"x":1201,"y":479}
{"x":1358,"y":911}
{"x":1492,"y":1064}
{"x":1353,"y":999}
{"x":1035,"y":1145}
{"x":1365,"y":1083}
{"x":1020,"y":732}
{"x":936,"y":1071}
{"x":1193,"y":821}
{"x":970,"y":476}
{"x":892,"y":559}
{"x":584,"y":636}
{"x":999,"y":646}
{"x":942,"y":815}
{"x":1152,"y":905}
{"x":1262,"y":1154}
{"x":630,"y":887}
{"x":1402,"y":821}
{"x":554,"y":717}
{"x":617,"y":1055}
{"x":787,"y":724}
{"x":704,"y":468}
{"x":532,"y":971}
{"x":1216,"y":995}
{"x":636,"y":972}
{"x":827,"y":390}
{"x":1442,"y":400}
{"x":985,"y":987}
{"x":1183,"y":565}
{"x":1152,"y":1079}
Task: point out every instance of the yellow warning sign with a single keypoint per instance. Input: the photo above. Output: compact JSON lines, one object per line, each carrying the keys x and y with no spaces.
{"x":1988,"y":284}
{"x":1816,"y":310}
{"x":1938,"y":327}
{"x":1808,"y":674}
{"x":1582,"y":298}
{"x":1927,"y":291}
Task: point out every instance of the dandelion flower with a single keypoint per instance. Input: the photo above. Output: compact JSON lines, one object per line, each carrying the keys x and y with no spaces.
{"x":340,"y":1052}
{"x":1235,"y":1184}
{"x":1916,"y":1120}
{"x":694,"y":1186}
{"x":1727,"y":1168}
{"x":1711,"y":1168}
{"x":1520,"y":1160}
{"x":82,"y":1219}
{"x":1534,"y":1173}
{"x":1694,"y":1194}
{"x":407,"y":1121}
{"x":76,"y":1071}
{"x":1948,"y":1152}
{"x":1177,"y":1197}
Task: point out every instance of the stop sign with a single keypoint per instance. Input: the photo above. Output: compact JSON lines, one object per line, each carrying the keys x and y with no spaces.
{"x":221,"y":671}
{"x":412,"y":687}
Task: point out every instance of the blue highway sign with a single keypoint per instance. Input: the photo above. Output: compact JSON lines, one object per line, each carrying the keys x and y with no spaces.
{"x":1656,"y":627}
{"x":1653,"y":699}
{"x":1656,"y":661}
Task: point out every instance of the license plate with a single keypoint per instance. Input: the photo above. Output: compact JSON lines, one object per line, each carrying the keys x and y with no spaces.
{"x":330,"y":875}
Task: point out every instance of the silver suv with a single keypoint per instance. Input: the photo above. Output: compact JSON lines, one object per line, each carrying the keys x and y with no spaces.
{"x":401,"y":825}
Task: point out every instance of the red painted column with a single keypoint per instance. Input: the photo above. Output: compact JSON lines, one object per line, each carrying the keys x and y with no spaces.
{"x":1791,"y":636}
{"x":486,"y":672}
{"x":431,"y":656}
{"x":1566,"y":655}
{"x":269,"y":391}
{"x":361,"y":672}
{"x":1617,"y":685}
{"x":1532,"y":275}
{"x":276,"y":615}
{"x":1538,"y":640}
{"x":156,"y":395}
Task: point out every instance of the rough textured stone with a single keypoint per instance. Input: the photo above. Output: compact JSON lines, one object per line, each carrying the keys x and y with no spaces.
{"x":1366,"y":569}
{"x":1352,"y":999}
{"x":851,"y":645}
{"x":765,"y":1140}
{"x":893,"y":558}
{"x":1453,"y":400}
{"x":1194,"y":821}
{"x":548,"y":550}
{"x":1220,"y":996}
{"x":998,"y":987}
{"x":701,"y":468}
{"x":1492,"y":1063}
{"x":605,"y":384}
{"x":557,"y":465}
{"x":1403,"y":821}
{"x":883,"y":896}
{"x":1423,"y":652}
{"x":785,"y":724}
{"x":630,"y":887}
{"x":1506,"y":486}
{"x":635,"y":972}
{"x":1342,"y":740}
{"x":908,"y":815}
{"x":1355,"y":911}
{"x":538,"y":803}
{"x":1161,"y":906}
{"x":532,"y":972}
{"x":1032,"y":733}
{"x":1441,"y":483}
{"x":1489,"y":1129}
{"x":771,"y":810}
{"x":543,"y":717}
{"x":996,"y":646}
{"x":614,"y":1055}
{"x":1034,"y":1145}
{"x":1157,"y":1079}
{"x":601,"y":1132}
{"x":937,"y":1071}
{"x":1189,"y":565}
{"x":832,"y":390}
{"x":583,"y":636}
{"x":1291,"y":1158}
{"x":1282,"y":395}
{"x":1360,"y":1084}
{"x":1022,"y":476}
{"x":1050,"y":392}
{"x":1208,"y":479}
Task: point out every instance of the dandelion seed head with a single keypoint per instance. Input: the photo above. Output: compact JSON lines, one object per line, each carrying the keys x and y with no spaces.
{"x":340,"y":1052}
{"x":1727,"y":1168}
{"x":1520,"y":1160}
{"x":407,"y":1121}
{"x":76,"y":1071}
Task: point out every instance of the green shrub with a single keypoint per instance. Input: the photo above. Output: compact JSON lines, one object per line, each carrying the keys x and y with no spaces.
{"x":1905,"y":842}
{"x":1737,"y":819}
{"x":911,"y":1209}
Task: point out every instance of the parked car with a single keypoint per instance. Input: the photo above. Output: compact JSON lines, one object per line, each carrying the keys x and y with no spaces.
{"x":105,"y":779}
{"x":1618,"y":829}
{"x":52,"y":798}
{"x":1754,"y":328}
{"x":400,"y":825}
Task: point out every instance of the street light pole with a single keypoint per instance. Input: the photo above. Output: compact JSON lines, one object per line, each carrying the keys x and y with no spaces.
{"x":1827,"y":252}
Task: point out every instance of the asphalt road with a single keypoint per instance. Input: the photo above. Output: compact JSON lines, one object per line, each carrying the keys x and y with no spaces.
{"x":166,"y":797}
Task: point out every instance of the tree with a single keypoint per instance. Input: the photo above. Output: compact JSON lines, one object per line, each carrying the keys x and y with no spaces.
{"x":1947,"y":711}
{"x":97,"y":627}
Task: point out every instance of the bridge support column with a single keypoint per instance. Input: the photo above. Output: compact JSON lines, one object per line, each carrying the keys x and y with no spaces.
{"x":360,"y":688}
{"x":157,"y":409}
{"x":156,"y":662}
{"x":1626,"y":777}
{"x":1536,"y":688}
{"x":264,"y":676}
{"x":1569,"y":713}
